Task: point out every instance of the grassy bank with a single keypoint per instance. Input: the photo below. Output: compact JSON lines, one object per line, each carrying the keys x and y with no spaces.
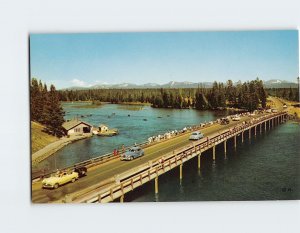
{"x":40,"y":139}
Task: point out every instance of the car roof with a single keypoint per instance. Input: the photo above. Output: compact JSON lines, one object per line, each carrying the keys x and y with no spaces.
{"x":134,"y":147}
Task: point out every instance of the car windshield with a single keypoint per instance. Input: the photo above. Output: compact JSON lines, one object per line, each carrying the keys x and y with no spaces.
{"x":194,"y":133}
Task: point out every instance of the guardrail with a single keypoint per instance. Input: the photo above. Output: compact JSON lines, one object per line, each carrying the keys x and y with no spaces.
{"x":106,"y":157}
{"x":133,"y":178}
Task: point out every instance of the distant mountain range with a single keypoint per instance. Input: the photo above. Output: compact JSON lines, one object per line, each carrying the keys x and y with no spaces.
{"x":274,"y":83}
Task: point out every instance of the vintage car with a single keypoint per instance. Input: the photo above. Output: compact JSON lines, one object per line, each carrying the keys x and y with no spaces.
{"x":132,"y":153}
{"x":81,"y":171}
{"x":224,"y":121}
{"x":269,"y":110}
{"x":59,"y":179}
{"x":236,"y":118}
{"x":196,"y":135}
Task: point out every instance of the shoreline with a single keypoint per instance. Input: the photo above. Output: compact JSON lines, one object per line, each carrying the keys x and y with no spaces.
{"x":50,"y":149}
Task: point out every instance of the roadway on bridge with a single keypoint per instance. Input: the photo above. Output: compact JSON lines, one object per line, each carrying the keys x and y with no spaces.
{"x":109,"y":169}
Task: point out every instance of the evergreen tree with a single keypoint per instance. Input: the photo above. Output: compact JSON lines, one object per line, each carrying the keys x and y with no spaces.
{"x":54,"y":114}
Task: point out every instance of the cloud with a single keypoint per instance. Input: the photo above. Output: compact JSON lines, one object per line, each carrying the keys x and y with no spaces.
{"x":80,"y":83}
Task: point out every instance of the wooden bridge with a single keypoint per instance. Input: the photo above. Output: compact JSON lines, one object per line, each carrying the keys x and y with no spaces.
{"x":136,"y":177}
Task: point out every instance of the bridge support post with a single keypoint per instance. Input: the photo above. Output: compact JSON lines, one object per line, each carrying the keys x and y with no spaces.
{"x":225,"y":149}
{"x":272,"y":123}
{"x":242,"y":136}
{"x":156,"y":185}
{"x":122,"y":199}
{"x":234,"y":141}
{"x":249,"y":133}
{"x":255,"y":131}
{"x":265,"y":126}
{"x":180,"y":171}
{"x":214,"y":152}
{"x":260,"y":128}
{"x":199,"y":160}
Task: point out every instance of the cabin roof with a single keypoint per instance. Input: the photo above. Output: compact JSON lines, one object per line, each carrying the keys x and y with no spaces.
{"x":73,"y":123}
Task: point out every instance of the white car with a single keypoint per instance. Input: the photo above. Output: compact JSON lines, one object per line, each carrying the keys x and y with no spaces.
{"x":269,"y":110}
{"x":236,"y":118}
{"x":196,"y":135}
{"x":274,"y":110}
{"x":59,"y":179}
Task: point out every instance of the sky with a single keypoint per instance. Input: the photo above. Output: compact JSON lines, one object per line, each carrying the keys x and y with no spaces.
{"x":87,"y":59}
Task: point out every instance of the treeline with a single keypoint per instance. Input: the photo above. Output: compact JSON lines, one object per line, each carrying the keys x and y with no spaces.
{"x":248,"y":95}
{"x":45,"y":107}
{"x":285,"y":93}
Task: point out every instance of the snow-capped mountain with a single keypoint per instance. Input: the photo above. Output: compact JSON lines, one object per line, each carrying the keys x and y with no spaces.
{"x":273,"y":83}
{"x":276,"y":83}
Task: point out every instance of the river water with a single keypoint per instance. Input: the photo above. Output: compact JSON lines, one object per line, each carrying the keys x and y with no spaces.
{"x":266,"y":167}
{"x":135,"y":123}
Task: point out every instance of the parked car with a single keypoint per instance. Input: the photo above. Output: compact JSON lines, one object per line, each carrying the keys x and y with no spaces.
{"x":196,"y":135}
{"x":269,"y":110}
{"x":132,"y":153}
{"x":81,"y":171}
{"x":236,"y":118}
{"x":285,"y":106}
{"x":274,"y":110}
{"x":224,"y":121}
{"x":59,"y":179}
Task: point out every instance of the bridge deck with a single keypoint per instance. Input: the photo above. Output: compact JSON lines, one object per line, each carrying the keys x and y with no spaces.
{"x":103,"y":176}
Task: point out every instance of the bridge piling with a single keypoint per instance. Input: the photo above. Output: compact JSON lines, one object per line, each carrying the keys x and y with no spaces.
{"x":177,"y":159}
{"x":235,"y":141}
{"x":260,"y":128}
{"x":180,"y":171}
{"x":265,"y":126}
{"x":156,"y":185}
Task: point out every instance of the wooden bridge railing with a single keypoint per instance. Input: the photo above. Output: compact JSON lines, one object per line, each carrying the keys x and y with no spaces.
{"x":136,"y":177}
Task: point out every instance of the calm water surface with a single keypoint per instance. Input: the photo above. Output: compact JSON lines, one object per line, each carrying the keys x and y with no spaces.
{"x":135,"y":123}
{"x":265,"y":167}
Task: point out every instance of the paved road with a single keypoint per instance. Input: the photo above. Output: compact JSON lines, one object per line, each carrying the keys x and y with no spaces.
{"x":112,"y":168}
{"x":277,"y":103}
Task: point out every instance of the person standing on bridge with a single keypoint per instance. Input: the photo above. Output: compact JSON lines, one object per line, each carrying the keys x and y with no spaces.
{"x":115,"y":152}
{"x":123,"y":148}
